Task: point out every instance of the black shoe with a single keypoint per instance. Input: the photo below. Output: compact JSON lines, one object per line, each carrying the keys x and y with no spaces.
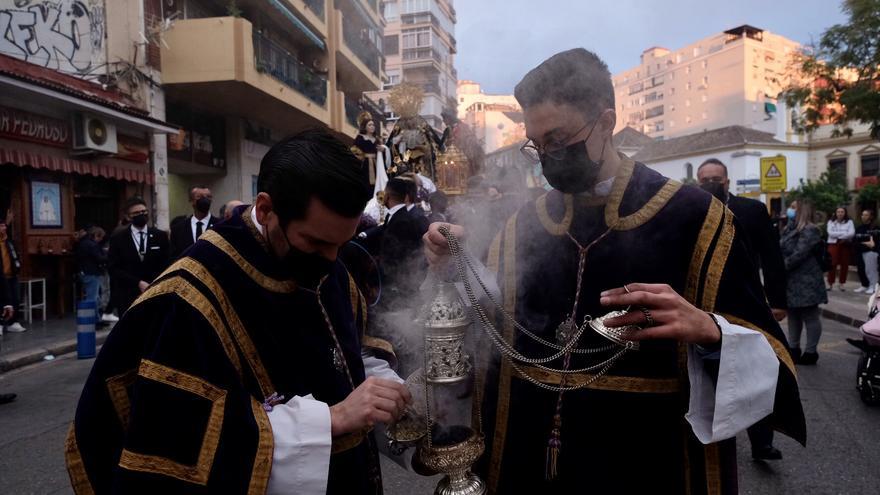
{"x":795,"y":354}
{"x":859,"y":343}
{"x":809,"y":358}
{"x":768,"y":453}
{"x":7,"y":398}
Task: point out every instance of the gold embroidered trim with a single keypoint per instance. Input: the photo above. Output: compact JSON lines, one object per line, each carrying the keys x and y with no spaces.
{"x":607,"y":382}
{"x":117,"y":387}
{"x":494,"y":259}
{"x":713,"y":469}
{"x":235,"y":326}
{"x":549,"y":224}
{"x":79,"y":479}
{"x":348,"y":441}
{"x":264,"y":281}
{"x":265,"y":448}
{"x":778,"y":347}
{"x":377,"y":343}
{"x":704,"y":241}
{"x":502,"y":411}
{"x":192,"y":296}
{"x":719,"y":260}
{"x":646,"y":212}
{"x":198,"y":473}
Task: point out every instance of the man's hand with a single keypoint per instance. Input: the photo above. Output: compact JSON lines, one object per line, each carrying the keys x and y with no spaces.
{"x":870,"y":243}
{"x":674,"y":317}
{"x":8,"y":312}
{"x":436,"y":247}
{"x":374,"y":401}
{"x":143,"y":285}
{"x":779,"y":314}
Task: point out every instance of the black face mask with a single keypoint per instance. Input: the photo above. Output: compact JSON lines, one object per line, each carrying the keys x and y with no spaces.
{"x":140,"y":220}
{"x":715,"y":189}
{"x":574,"y":171}
{"x":203,"y":205}
{"x":306,"y":268}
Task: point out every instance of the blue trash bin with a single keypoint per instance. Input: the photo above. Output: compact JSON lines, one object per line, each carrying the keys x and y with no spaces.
{"x":86,"y":318}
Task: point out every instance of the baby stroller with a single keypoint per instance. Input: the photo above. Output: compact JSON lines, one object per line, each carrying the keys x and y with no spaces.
{"x":868,"y":373}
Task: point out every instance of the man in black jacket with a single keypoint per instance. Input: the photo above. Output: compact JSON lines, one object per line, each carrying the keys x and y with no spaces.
{"x":138,"y":254}
{"x":763,"y":241}
{"x":400,"y":248}
{"x":185,"y":232}
{"x":866,"y":253}
{"x":91,"y":260}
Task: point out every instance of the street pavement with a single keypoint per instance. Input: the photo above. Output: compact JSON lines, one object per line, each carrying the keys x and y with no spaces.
{"x":841,"y":456}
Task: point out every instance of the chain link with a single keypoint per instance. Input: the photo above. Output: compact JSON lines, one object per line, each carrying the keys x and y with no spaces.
{"x":463,"y":261}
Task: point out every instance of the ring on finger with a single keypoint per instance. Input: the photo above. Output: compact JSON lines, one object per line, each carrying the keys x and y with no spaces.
{"x":649,"y":318}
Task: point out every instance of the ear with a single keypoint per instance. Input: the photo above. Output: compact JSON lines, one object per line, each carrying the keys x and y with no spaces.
{"x":263,"y":207}
{"x":607,"y":121}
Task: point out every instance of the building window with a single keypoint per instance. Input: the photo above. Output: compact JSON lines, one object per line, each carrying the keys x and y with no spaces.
{"x":687,"y":120}
{"x":392,"y":45}
{"x":671,"y":108}
{"x":870,"y":165}
{"x":417,"y":38}
{"x":837,"y":166}
{"x":705,"y":80}
{"x":658,"y":126}
{"x":705,"y":63}
{"x":391,"y":13}
{"x":698,"y":51}
{"x":672,"y":91}
{"x":687,"y":102}
{"x":704,"y":98}
{"x":705,"y":115}
{"x":654,"y":112}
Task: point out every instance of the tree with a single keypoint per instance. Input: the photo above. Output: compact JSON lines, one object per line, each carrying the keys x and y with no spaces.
{"x":869,"y":196}
{"x":838,"y":80}
{"x":827,"y":194}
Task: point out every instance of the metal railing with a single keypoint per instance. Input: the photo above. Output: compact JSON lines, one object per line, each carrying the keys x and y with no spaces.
{"x":414,"y":54}
{"x":274,"y":60}
{"x":363,"y":48}
{"x":316,"y":6}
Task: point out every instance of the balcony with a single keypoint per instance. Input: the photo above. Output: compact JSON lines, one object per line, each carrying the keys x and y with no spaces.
{"x":358,"y":61}
{"x":220,"y":63}
{"x":419,"y":57}
{"x":317,"y":7}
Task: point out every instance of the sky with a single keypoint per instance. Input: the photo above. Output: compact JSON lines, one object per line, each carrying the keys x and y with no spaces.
{"x":500,"y":40}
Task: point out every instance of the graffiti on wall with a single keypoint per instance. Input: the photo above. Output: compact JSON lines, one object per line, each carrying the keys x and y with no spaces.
{"x":64,"y":35}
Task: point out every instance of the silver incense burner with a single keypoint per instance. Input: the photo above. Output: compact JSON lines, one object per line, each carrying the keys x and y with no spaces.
{"x":450,"y":449}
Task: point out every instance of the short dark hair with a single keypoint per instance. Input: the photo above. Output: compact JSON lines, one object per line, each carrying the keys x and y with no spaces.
{"x":197,"y":186}
{"x":310,"y":164}
{"x":438,"y":201}
{"x":398,"y":188}
{"x":134,"y":201}
{"x":574,"y":77}
{"x":713,"y":161}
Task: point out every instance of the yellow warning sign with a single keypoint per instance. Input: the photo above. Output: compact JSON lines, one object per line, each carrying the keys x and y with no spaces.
{"x":773,"y":177}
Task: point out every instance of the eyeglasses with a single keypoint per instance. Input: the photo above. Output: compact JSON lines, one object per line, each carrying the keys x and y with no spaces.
{"x":554,"y":149}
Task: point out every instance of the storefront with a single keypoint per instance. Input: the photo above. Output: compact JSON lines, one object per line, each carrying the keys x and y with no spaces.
{"x":71,"y":152}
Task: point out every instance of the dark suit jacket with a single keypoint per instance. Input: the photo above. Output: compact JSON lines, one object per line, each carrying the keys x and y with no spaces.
{"x":127,"y":269}
{"x":182,"y":234}
{"x":401,"y":252}
{"x":763,"y":241}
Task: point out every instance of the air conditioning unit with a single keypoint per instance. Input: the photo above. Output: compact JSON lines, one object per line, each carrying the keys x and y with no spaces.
{"x":93,"y":135}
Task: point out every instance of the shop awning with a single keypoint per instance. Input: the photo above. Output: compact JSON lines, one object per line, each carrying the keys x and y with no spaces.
{"x":102,"y":167}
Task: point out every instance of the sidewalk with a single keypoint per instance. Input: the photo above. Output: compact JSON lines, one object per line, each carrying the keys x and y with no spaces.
{"x":55,"y":336}
{"x":847,"y":307}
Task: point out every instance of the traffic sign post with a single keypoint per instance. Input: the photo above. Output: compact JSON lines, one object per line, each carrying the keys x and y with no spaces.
{"x":773,"y":174}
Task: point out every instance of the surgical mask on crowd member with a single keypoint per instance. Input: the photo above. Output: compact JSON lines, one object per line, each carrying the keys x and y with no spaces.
{"x":570,"y":169}
{"x":140,"y":221}
{"x":203,"y":205}
{"x":791,"y":213}
{"x":715,"y":189}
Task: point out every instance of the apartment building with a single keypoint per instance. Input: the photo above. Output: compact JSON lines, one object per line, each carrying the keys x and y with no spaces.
{"x":730,"y":78}
{"x":419,"y":47}
{"x":240,"y":76}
